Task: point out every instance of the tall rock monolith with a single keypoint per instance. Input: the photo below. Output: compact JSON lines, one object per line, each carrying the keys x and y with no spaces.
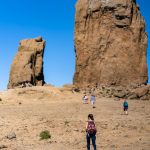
{"x":27,"y":66}
{"x":110,"y":43}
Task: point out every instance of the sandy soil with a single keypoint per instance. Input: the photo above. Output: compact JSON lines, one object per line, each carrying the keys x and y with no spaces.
{"x":29,"y":111}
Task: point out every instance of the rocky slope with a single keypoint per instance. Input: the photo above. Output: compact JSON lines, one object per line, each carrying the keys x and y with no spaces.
{"x":131,"y":92}
{"x":27,"y":66}
{"x":110,"y":43}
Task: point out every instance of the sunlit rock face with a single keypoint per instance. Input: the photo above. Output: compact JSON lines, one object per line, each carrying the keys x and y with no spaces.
{"x":27,"y":66}
{"x":110,"y":43}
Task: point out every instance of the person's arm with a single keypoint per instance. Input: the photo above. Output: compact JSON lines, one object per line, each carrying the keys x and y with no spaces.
{"x":123,"y":104}
{"x":86,"y":126}
{"x":95,"y":127}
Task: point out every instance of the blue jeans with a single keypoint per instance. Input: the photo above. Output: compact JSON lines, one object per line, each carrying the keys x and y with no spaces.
{"x":89,"y":137}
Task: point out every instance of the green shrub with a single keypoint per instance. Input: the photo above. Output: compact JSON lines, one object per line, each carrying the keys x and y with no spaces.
{"x":45,"y":135}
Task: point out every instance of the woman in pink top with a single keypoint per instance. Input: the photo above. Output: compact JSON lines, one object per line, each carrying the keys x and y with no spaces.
{"x":85,"y":99}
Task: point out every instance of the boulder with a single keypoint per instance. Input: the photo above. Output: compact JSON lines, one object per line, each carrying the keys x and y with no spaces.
{"x":11,"y":136}
{"x":120,"y":94}
{"x":3,"y":147}
{"x":110,"y":43}
{"x":145,"y":97}
{"x":27,"y":66}
{"x":132,"y":96}
{"x":142,"y":91}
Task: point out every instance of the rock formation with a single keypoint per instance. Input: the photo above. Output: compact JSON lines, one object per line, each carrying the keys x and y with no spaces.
{"x":27,"y":66}
{"x":110,"y":43}
{"x":141,"y":92}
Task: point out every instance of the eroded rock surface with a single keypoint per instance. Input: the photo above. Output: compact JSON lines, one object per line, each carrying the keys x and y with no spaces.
{"x":140,"y":92}
{"x":110,"y":43}
{"x":27,"y":66}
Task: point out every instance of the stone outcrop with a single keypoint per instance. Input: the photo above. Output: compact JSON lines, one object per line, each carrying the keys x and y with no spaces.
{"x":141,"y":92}
{"x":110,"y":43}
{"x":27,"y":66}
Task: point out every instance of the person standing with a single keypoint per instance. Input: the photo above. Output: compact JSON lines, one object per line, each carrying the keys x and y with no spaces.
{"x":91,"y":132}
{"x":125,"y":107}
{"x":93,"y":100}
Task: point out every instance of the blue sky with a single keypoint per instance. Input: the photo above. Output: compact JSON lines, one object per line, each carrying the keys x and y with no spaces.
{"x":145,"y":10}
{"x":54,"y":21}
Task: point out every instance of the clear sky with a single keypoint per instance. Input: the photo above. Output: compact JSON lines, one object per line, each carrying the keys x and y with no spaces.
{"x":54,"y":21}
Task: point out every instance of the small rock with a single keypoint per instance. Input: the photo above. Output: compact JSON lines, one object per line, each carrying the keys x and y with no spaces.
{"x":116,"y":99}
{"x":0,"y":99}
{"x":2,"y":146}
{"x":11,"y":136}
{"x":145,"y":97}
{"x":113,"y":146}
{"x":126,"y":136}
{"x":120,"y":94}
{"x":76,"y":90}
{"x":140,"y":139}
{"x":38,"y":39}
{"x":76,"y":130}
{"x":132,"y":96}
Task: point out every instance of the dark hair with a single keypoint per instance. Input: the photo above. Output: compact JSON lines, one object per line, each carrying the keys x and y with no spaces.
{"x":91,"y":116}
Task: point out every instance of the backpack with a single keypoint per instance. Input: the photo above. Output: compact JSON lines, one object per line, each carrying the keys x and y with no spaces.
{"x":125,"y":104}
{"x":91,"y":129}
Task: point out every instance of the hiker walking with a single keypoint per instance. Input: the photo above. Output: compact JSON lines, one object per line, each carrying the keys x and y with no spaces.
{"x":85,"y":99}
{"x":91,"y":132}
{"x":125,"y":107}
{"x":93,"y":100}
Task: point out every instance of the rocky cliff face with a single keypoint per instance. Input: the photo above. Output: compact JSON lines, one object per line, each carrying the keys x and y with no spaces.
{"x":27,"y":66}
{"x":110,"y":43}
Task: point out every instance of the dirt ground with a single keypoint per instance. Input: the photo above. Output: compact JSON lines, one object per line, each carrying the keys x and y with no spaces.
{"x":29,"y":111}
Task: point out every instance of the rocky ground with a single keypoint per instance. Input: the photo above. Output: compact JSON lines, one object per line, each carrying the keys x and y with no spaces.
{"x":27,"y":112}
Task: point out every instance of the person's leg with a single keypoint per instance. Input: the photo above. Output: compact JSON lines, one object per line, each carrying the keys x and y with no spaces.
{"x":87,"y":101}
{"x":124,"y":110}
{"x":93,"y":104}
{"x":127,"y":111}
{"x":88,"y":141}
{"x":94,"y":142}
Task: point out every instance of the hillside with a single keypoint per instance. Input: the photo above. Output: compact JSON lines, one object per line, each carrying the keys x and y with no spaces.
{"x":28,"y":111}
